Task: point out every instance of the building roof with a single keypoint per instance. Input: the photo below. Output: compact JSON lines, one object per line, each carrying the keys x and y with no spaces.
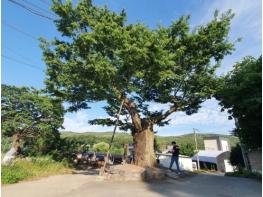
{"x":215,"y":137}
{"x":208,"y":155}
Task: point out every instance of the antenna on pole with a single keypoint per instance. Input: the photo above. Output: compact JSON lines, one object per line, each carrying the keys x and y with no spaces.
{"x":196,"y":148}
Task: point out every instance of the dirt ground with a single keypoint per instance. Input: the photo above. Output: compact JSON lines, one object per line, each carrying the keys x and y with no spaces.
{"x":85,"y":183}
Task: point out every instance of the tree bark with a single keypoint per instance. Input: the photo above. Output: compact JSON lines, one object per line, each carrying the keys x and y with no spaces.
{"x":143,"y":137}
{"x":144,"y":149}
{"x":11,"y":154}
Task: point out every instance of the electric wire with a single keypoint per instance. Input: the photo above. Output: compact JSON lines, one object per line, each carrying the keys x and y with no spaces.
{"x":21,"y":62}
{"x":19,"y":30}
{"x":17,"y":53}
{"x":37,"y":7}
{"x":32,"y":10}
{"x":46,"y":3}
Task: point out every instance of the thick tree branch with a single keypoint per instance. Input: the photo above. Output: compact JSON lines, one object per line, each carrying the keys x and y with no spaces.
{"x":163,"y":116}
{"x":132,"y":109}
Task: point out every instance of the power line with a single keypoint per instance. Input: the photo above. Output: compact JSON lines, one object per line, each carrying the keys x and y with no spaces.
{"x":21,"y":62}
{"x":37,"y":7}
{"x":32,"y":10}
{"x":45,"y":2}
{"x":17,"y":53}
{"x":19,"y":30}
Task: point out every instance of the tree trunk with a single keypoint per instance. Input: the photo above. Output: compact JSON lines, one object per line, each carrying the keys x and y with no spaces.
{"x":144,"y":150}
{"x":143,"y":137}
{"x":11,"y":154}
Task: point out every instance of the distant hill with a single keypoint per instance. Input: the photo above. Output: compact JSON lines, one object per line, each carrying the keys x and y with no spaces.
{"x":123,"y":138}
{"x":99,"y":134}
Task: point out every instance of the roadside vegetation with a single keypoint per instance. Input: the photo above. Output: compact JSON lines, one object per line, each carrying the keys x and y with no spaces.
{"x":245,"y":174}
{"x":240,"y":94}
{"x":236,"y":159}
{"x":30,"y":137}
{"x":31,"y":168}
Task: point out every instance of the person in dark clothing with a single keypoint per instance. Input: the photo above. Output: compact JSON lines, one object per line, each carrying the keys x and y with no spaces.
{"x":175,"y":156}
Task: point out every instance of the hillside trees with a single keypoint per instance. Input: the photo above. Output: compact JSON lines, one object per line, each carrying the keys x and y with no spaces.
{"x":240,"y":94}
{"x":101,"y":57}
{"x":31,"y":117}
{"x":187,"y":149}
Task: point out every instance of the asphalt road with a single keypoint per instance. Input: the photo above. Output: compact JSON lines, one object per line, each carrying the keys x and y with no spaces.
{"x":83,"y":185}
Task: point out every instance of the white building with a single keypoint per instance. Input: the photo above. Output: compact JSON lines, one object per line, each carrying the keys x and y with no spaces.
{"x":215,"y":156}
{"x":214,"y":160}
{"x":216,"y":143}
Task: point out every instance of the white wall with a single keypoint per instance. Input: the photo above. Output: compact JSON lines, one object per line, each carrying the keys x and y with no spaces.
{"x":185,"y":162}
{"x":225,"y":145}
{"x":255,"y":158}
{"x":210,"y":144}
{"x":228,"y":166}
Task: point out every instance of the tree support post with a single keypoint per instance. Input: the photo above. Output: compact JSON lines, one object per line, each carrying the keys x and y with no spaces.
{"x":106,"y":160}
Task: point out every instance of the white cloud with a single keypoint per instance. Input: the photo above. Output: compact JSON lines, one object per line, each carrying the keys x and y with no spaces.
{"x":246,"y":24}
{"x":247,"y":20}
{"x":205,"y":116}
{"x":78,"y":122}
{"x":209,"y":114}
{"x":158,"y":107}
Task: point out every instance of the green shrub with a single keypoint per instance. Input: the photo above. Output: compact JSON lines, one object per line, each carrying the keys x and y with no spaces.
{"x":6,"y":144}
{"x":14,"y":173}
{"x":101,"y":147}
{"x":245,"y":173}
{"x":22,"y":169}
{"x":117,"y":151}
{"x":187,"y":149}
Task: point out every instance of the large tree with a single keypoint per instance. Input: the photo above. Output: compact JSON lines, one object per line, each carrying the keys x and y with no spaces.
{"x":240,"y":94}
{"x":29,"y":116}
{"x":101,"y":57}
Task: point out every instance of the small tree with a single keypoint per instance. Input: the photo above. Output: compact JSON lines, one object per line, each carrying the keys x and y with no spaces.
{"x":101,"y":147}
{"x":29,"y":116}
{"x":187,"y":149}
{"x":156,"y":145}
{"x":105,"y":58}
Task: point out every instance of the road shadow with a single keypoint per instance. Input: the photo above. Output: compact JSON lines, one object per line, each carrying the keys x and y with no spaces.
{"x":86,"y":170}
{"x":203,"y":185}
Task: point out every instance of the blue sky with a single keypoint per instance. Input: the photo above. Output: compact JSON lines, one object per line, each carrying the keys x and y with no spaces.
{"x":20,"y":30}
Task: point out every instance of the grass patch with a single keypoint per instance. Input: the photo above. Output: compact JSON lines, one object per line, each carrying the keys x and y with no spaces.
{"x":24,"y":169}
{"x":200,"y":171}
{"x":245,"y":174}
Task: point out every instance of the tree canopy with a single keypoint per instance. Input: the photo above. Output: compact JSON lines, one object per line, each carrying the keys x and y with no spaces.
{"x":240,"y":94}
{"x":104,"y":58}
{"x":101,"y":57}
{"x":31,"y":117}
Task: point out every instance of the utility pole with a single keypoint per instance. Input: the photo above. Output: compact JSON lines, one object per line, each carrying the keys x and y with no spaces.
{"x":245,"y":159}
{"x":196,"y":148}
